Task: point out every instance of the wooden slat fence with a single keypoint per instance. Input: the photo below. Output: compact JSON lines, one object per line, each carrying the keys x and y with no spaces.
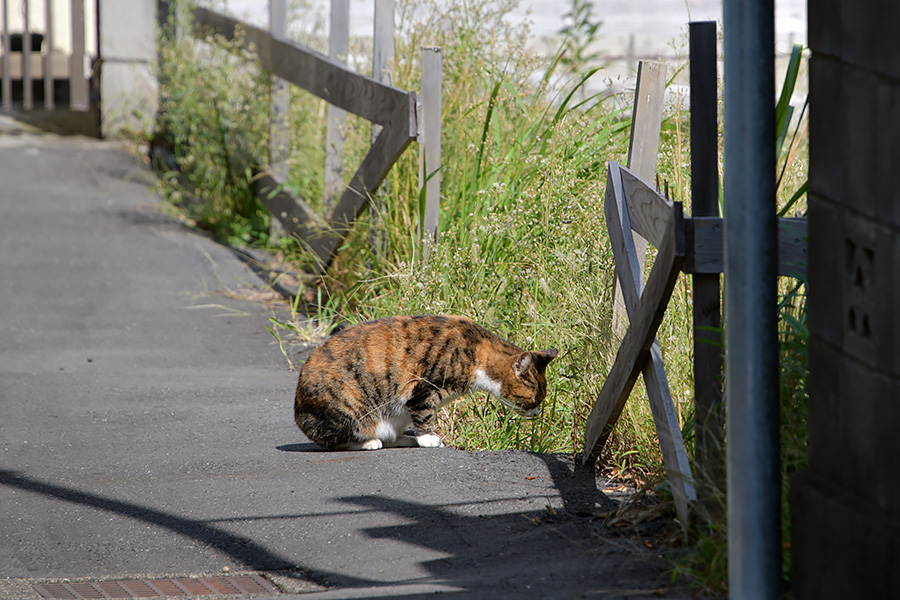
{"x":661,"y":223}
{"x":635,"y":210}
{"x":392,"y":109}
{"x":30,"y":55}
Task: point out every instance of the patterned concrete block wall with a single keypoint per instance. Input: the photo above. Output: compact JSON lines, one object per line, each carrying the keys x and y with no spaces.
{"x":846,"y":507}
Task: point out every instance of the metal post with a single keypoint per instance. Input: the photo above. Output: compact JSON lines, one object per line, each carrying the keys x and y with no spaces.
{"x":709,"y":412}
{"x":751,"y":340}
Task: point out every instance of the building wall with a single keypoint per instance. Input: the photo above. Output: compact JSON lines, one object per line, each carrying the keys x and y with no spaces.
{"x":846,"y":506}
{"x":128,"y":85}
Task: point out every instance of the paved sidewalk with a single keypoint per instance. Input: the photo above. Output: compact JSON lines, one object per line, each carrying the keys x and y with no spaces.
{"x":146,"y":427}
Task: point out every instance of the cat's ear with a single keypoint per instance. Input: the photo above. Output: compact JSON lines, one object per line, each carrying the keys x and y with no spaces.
{"x":523,"y":361}
{"x":542,"y":358}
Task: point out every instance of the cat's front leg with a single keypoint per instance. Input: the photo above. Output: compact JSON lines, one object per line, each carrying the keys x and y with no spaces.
{"x":424,"y":420}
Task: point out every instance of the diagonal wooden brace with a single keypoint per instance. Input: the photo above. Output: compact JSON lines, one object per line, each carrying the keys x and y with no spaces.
{"x":393,"y":109}
{"x":639,"y":351}
{"x":394,"y":138}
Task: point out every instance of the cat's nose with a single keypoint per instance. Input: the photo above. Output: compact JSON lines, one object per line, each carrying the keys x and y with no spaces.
{"x":534,"y":411}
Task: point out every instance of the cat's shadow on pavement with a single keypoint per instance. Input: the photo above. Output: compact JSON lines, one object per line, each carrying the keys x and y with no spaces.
{"x":301,"y":447}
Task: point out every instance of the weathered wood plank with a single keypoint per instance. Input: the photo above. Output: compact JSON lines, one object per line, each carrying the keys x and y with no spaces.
{"x":793,"y":254}
{"x":294,"y":215}
{"x":336,"y":118}
{"x":665,"y":221}
{"x":635,"y":348}
{"x":383,"y":71}
{"x":430,"y":141}
{"x":618,"y":223}
{"x":665,"y":418}
{"x":706,"y":254}
{"x":659,"y":395}
{"x":279,"y":140}
{"x":643,"y":150}
{"x":383,"y":42}
{"x":314,"y":72}
{"x":668,"y":429}
{"x":646,"y":122}
{"x":390,"y":144}
{"x":650,"y":212}
{"x":708,"y":246}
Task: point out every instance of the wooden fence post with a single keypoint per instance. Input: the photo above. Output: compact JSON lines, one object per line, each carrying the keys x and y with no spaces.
{"x":709,"y":417}
{"x":643,"y":149}
{"x":430,"y":144}
{"x":339,"y":36}
{"x":383,"y":42}
{"x":279,"y":140}
{"x":382,"y":71}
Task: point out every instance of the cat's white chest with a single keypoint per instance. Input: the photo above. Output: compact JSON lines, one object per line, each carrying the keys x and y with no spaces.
{"x":392,"y":426}
{"x":485,"y":383}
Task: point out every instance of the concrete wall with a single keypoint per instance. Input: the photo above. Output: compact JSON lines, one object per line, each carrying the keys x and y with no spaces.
{"x":846,"y":507}
{"x":128,"y":86}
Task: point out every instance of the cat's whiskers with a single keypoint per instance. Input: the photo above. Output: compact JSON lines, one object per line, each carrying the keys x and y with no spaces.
{"x":517,"y":409}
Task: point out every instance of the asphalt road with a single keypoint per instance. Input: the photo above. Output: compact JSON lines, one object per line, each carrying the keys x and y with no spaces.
{"x":146,"y":427}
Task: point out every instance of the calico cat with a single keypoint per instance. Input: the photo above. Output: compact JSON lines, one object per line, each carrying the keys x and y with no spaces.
{"x":361,"y":389}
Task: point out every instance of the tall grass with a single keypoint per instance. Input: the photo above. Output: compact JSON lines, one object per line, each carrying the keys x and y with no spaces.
{"x":523,"y":247}
{"x":210,"y":108}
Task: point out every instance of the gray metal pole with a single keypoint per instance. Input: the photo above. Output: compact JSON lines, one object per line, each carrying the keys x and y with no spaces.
{"x":751,"y":337}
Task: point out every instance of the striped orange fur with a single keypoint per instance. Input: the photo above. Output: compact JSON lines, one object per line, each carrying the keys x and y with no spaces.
{"x":367,"y":383}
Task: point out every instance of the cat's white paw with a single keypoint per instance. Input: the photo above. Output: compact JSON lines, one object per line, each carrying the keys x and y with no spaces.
{"x":429,"y":440}
{"x":375,"y":444}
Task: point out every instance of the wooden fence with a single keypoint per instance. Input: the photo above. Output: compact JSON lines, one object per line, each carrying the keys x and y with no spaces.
{"x":635,"y":209}
{"x":396,"y":112}
{"x":32,"y":57}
